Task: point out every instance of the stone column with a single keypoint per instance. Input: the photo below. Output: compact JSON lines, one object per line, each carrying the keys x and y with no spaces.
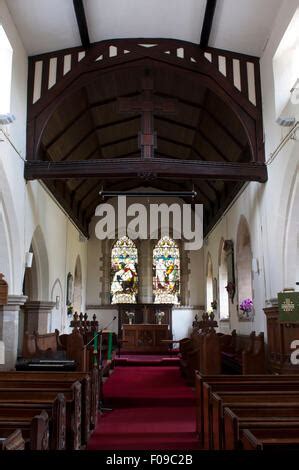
{"x":36,"y":316}
{"x":9,"y":329}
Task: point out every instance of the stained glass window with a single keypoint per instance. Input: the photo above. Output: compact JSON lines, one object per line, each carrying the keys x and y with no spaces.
{"x":166,"y":272}
{"x":124,"y":278}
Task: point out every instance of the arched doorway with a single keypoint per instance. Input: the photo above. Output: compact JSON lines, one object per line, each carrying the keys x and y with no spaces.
{"x":37,"y":308}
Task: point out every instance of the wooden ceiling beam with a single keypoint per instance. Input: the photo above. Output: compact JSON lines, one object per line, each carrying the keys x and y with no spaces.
{"x":82,"y":23}
{"x":207,"y":23}
{"x":110,"y":168}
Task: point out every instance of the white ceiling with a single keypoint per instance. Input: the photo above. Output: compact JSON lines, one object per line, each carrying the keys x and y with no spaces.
{"x":239,"y":25}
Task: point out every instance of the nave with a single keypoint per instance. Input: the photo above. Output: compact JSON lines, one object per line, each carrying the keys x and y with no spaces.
{"x":149,"y":200}
{"x":153,"y":409}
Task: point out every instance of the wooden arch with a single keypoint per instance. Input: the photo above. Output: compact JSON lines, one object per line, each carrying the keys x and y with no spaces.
{"x":232,"y":79}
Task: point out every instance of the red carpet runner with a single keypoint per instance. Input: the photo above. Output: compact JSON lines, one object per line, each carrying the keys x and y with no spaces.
{"x":153,"y":409}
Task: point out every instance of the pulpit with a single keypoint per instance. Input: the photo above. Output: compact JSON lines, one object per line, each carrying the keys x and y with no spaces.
{"x":145,"y":333}
{"x":280,"y":336}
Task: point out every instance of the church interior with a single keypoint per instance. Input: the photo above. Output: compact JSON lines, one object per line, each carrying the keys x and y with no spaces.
{"x":122,"y":325}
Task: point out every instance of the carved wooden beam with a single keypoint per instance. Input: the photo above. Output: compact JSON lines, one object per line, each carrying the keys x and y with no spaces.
{"x":134,"y":167}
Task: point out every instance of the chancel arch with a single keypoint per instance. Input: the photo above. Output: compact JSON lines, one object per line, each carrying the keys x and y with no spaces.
{"x":223,"y":282}
{"x":244,"y":263}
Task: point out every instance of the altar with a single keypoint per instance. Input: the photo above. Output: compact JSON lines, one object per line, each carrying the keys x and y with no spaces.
{"x":145,"y":337}
{"x":145,"y":334}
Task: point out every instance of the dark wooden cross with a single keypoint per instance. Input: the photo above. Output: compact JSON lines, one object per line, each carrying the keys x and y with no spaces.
{"x":147,"y":105}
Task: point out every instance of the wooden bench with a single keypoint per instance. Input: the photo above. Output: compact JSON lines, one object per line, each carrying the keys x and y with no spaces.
{"x":220,"y":400}
{"x":243,"y":354}
{"x":41,"y":379}
{"x":228,"y":382}
{"x":282,"y":438}
{"x":37,"y":345}
{"x":14,"y":441}
{"x":212,"y":353}
{"x":258,"y":417}
{"x":42,"y":396}
{"x":56,"y":412}
{"x":35,"y":430}
{"x":90,"y":398}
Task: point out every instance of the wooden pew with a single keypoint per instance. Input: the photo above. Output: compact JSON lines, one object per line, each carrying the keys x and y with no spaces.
{"x":244,"y":354}
{"x":258,"y":417}
{"x":231,"y":381}
{"x":282,"y":438}
{"x":14,"y":441}
{"x":36,"y":429}
{"x":41,"y":396}
{"x":26,"y":411}
{"x":220,"y":400}
{"x":30,"y":382}
{"x":36,"y":345}
{"x":90,"y":399}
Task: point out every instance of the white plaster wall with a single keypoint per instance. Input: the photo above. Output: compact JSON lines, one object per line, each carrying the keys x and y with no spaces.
{"x":266,"y":207}
{"x":24,"y":208}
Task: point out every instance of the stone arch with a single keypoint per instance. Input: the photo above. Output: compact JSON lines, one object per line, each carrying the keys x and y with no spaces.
{"x":244,"y":261}
{"x":223,"y":281}
{"x":10,"y":249}
{"x":40,"y":266}
{"x":291,"y":237}
{"x":77,"y":296}
{"x":209,"y":283}
{"x":5,"y":247}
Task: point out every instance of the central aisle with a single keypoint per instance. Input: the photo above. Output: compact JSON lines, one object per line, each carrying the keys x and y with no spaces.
{"x":153,"y":409}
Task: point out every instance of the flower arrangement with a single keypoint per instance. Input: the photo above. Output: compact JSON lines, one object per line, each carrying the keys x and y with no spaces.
{"x":131,"y":316}
{"x":246,"y":306}
{"x":214,"y":305}
{"x":159,"y":317}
